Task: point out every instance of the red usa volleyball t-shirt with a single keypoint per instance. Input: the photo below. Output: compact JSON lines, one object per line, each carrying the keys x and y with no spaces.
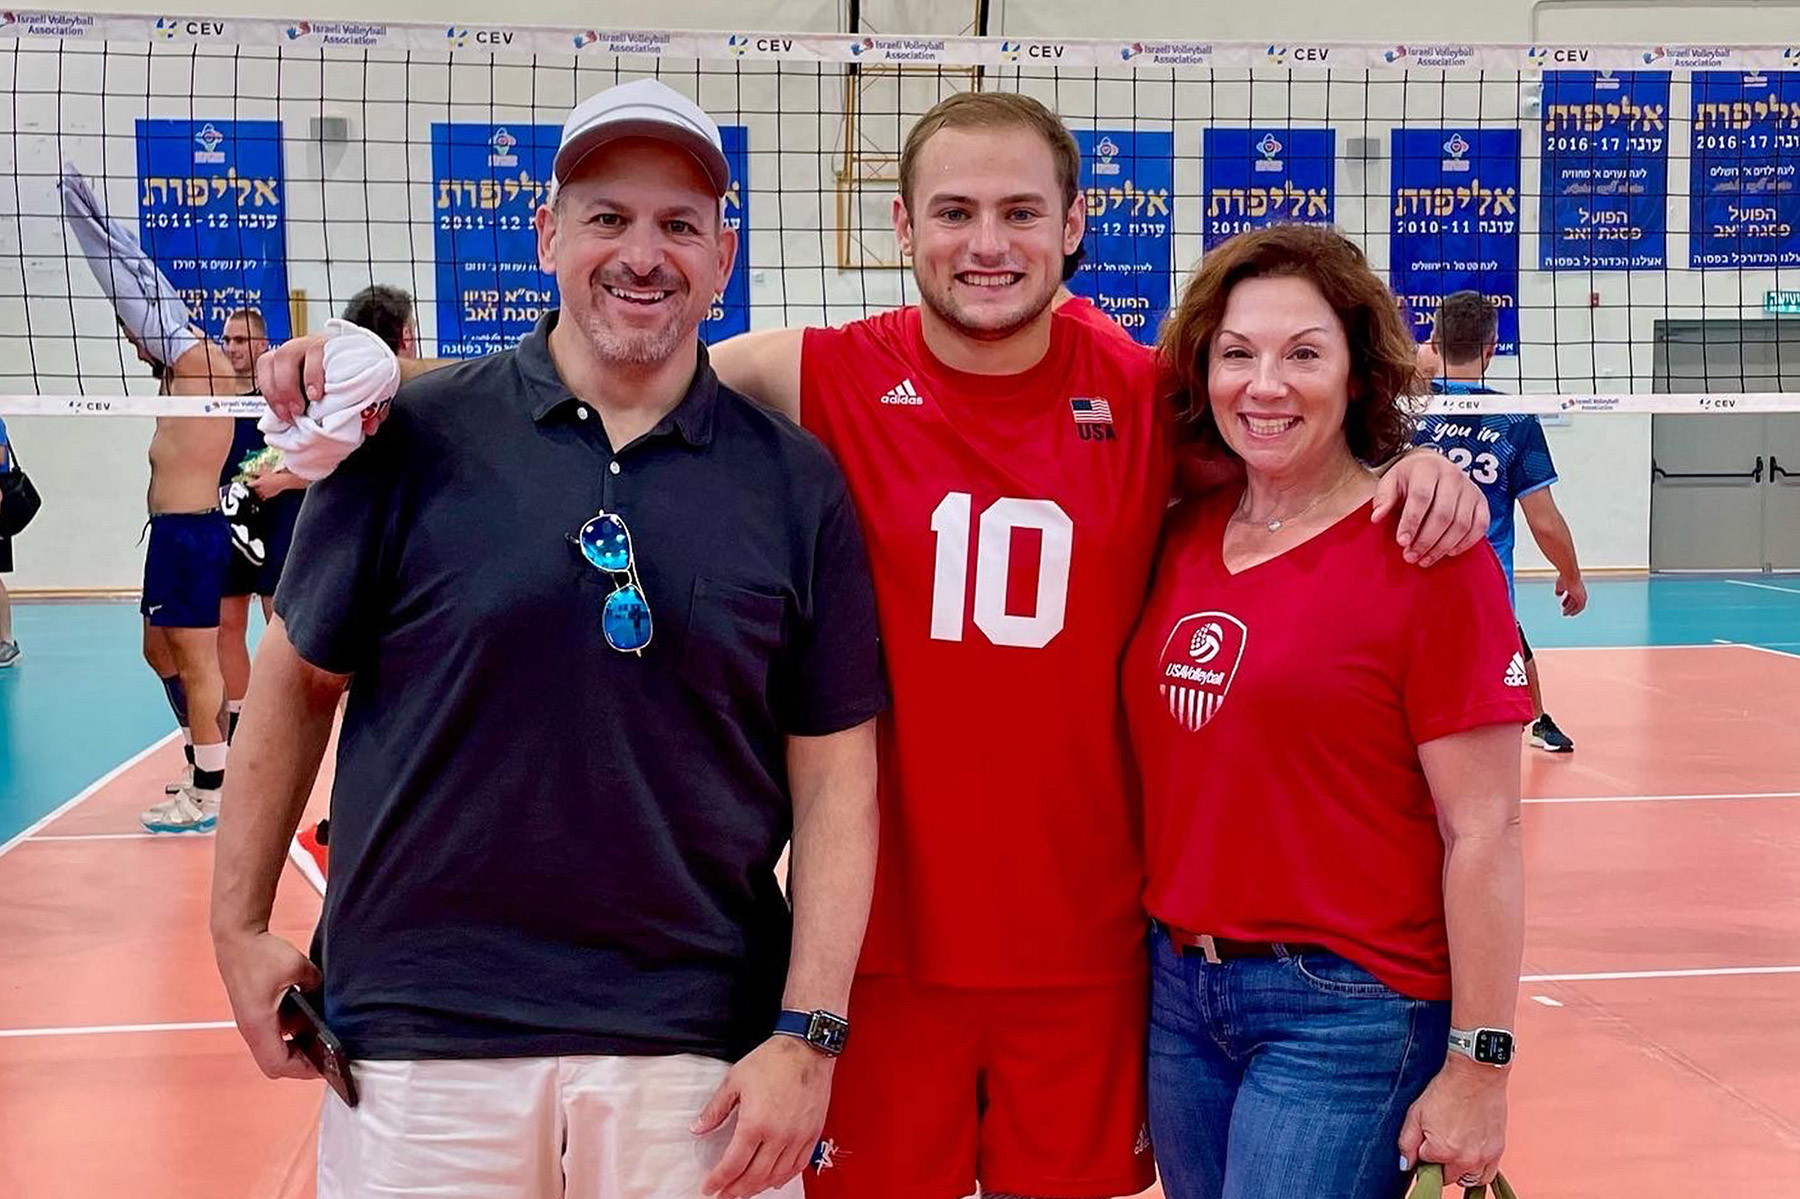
{"x":1010,"y":521}
{"x":1276,"y":715}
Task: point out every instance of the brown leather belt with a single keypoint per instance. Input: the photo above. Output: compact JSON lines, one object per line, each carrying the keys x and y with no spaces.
{"x":1224,"y":949}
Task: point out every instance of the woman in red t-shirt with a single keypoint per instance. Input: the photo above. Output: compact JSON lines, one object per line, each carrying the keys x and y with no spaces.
{"x":1329,"y":743}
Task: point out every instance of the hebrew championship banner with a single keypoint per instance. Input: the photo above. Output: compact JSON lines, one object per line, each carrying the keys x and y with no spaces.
{"x":1605,"y":171}
{"x":1256,"y":177}
{"x":1456,"y":222}
{"x":1744,"y":193}
{"x":1129,"y":181}
{"x":211,"y":210}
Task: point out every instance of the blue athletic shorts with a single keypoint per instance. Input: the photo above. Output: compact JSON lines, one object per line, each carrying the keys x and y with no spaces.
{"x":184,"y":570}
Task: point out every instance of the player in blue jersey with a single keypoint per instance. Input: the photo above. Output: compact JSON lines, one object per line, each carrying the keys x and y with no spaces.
{"x":1508,"y":458}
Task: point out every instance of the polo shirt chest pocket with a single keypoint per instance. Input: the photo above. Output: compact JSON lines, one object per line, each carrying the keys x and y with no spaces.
{"x":733,"y":637}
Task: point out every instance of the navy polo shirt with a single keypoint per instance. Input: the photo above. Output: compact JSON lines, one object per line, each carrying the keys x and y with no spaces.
{"x":540,"y":845}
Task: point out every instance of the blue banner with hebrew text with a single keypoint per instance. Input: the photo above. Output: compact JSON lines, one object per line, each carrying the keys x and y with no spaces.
{"x":1456,"y":223}
{"x":1605,"y":171}
{"x":1256,"y":177}
{"x":211,"y":210}
{"x":1128,"y":178}
{"x":1744,"y":193}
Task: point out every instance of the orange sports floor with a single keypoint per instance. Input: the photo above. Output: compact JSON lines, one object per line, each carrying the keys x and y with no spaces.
{"x":1659,"y":1051}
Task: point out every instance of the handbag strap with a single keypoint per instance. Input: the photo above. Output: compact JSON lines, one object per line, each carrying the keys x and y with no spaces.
{"x":1428,"y":1180}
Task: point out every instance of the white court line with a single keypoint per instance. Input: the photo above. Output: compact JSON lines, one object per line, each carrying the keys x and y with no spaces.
{"x":1616,"y":975}
{"x":89,"y":791}
{"x":102,"y":1029}
{"x":1763,"y":649}
{"x":1609,"y":976}
{"x":1558,"y":799}
{"x":43,"y":837}
{"x":1764,"y":586}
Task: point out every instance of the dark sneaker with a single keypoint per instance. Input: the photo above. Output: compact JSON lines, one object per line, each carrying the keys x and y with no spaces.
{"x":9,"y":653}
{"x":1546,"y":736}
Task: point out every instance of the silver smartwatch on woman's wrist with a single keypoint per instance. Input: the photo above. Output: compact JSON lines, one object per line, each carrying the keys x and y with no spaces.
{"x":1487,"y":1046}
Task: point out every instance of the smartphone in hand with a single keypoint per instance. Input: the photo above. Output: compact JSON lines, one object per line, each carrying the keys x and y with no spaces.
{"x":306,"y":1031}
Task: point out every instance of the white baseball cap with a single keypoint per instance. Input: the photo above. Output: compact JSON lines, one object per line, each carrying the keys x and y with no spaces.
{"x":641,"y":108}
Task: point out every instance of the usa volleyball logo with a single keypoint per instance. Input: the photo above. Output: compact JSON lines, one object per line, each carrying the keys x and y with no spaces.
{"x":1199,"y":660}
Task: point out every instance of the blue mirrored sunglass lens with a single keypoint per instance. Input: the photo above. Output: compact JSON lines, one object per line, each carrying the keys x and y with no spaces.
{"x":606,"y":544}
{"x":626,"y":619}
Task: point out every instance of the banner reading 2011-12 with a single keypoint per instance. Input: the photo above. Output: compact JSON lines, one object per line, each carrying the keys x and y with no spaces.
{"x":487,"y":182}
{"x":1606,"y":171}
{"x":1256,"y":177}
{"x":1456,"y":222}
{"x":1128,"y":178}
{"x":1744,"y":194}
{"x":211,"y":208}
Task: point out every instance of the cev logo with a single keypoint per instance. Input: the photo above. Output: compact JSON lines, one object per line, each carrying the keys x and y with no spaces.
{"x":1536,"y":54}
{"x":738,"y":44}
{"x":167,"y":27}
{"x":1277,"y":55}
{"x":1009,"y":51}
{"x":209,"y":137}
{"x":458,"y":38}
{"x":1269,"y":146}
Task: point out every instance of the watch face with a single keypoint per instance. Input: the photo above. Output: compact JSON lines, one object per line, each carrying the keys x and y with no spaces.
{"x":828,"y":1032}
{"x":1493,"y":1047}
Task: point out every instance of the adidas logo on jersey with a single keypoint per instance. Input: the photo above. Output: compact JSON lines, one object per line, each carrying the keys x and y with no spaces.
{"x":902,"y":393}
{"x":1515,"y":672}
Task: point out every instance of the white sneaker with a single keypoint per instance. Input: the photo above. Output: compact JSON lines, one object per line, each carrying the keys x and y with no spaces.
{"x":189,"y":810}
{"x":186,"y":780}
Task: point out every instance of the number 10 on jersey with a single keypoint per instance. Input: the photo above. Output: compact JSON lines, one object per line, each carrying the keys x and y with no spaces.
{"x":993,"y":561}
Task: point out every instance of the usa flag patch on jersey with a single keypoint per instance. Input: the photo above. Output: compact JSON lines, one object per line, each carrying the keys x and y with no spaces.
{"x":1090,"y":411}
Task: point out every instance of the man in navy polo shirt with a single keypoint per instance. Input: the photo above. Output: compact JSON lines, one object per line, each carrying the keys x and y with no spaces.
{"x":609,"y":639}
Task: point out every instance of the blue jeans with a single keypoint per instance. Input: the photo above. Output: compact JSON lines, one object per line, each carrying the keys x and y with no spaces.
{"x":1283,"y":1076}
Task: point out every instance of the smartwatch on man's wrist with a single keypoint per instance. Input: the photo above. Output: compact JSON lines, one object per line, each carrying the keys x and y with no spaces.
{"x":1486,"y":1046}
{"x":824,"y":1031}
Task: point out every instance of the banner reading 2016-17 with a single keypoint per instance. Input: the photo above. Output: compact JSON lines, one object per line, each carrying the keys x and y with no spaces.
{"x":1256,"y":177}
{"x":1129,"y":181}
{"x":488,"y":181}
{"x":211,"y":209}
{"x":1744,"y":194}
{"x":1606,"y":171}
{"x":1456,"y":222}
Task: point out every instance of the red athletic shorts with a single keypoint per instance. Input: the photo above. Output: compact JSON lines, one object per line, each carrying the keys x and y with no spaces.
{"x":1034,"y":1092}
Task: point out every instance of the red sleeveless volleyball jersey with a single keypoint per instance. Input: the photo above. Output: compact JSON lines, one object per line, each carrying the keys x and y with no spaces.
{"x":1011,"y":522}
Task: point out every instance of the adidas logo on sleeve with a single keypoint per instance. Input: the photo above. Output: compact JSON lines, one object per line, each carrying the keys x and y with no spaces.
{"x":902,"y":393}
{"x":1515,"y":672}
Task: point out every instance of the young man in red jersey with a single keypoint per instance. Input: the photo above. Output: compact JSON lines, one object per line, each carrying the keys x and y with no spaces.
{"x":1011,"y":463}
{"x":1010,"y":466}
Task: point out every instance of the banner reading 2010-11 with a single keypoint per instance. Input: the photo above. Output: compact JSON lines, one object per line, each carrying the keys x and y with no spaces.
{"x":488,"y":181}
{"x":211,"y":210}
{"x":1456,"y":222}
{"x":1256,"y":177}
{"x":1745,"y":189}
{"x":1129,"y":180}
{"x":1606,"y":171}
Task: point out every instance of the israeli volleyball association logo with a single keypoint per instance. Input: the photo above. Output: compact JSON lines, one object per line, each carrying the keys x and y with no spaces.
{"x":1198,"y":662}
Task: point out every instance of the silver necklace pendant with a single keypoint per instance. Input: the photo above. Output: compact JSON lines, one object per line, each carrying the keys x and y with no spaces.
{"x":1275,"y":526}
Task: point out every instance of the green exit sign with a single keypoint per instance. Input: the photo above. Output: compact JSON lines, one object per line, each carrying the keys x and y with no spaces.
{"x":1781,"y":302}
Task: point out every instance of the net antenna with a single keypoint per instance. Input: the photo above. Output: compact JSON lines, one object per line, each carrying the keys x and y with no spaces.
{"x":881,"y":99}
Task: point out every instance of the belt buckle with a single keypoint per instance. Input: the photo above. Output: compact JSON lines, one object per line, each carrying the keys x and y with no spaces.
{"x":1209,"y":949}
